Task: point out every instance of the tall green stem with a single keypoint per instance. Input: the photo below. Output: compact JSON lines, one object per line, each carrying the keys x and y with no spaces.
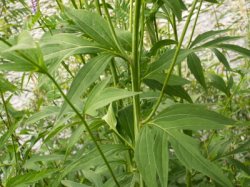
{"x":8,"y":126}
{"x":170,"y":70}
{"x":195,"y":23}
{"x":135,"y":66}
{"x":86,"y":126}
{"x":112,"y":29}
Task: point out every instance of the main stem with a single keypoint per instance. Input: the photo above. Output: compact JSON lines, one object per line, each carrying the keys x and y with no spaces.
{"x":135,"y":67}
{"x":170,"y":70}
{"x":8,"y":127}
{"x":86,"y":126}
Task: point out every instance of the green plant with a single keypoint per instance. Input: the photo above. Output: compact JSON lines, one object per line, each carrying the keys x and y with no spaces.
{"x":130,"y":116}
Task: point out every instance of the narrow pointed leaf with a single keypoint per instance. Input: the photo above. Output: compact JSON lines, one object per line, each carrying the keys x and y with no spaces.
{"x":241,"y":50}
{"x":205,"y":36}
{"x":68,"y":183}
{"x":194,"y":64}
{"x":161,"y":157}
{"x":110,"y":118}
{"x":85,"y":77}
{"x":192,"y":117}
{"x":45,"y":112}
{"x":5,"y":85}
{"x":219,"y":40}
{"x":105,"y":97}
{"x":93,"y":25}
{"x":60,"y":46}
{"x":29,"y":178}
{"x":219,"y":83}
{"x":144,"y":156}
{"x":187,"y":151}
{"x":221,"y":57}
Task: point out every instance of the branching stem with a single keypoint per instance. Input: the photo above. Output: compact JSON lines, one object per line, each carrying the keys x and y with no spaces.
{"x":170,"y":70}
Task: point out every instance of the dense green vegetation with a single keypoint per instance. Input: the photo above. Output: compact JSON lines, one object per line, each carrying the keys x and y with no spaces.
{"x":125,"y":93}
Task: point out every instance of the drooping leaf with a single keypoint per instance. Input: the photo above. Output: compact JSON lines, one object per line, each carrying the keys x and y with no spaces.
{"x":221,"y":57}
{"x":176,"y":6}
{"x":194,"y":64}
{"x":124,"y":179}
{"x":125,"y":39}
{"x":60,"y":46}
{"x":93,"y":25}
{"x":110,"y":118}
{"x":173,"y":81}
{"x":212,"y":1}
{"x":29,"y":178}
{"x":219,"y":40}
{"x":74,"y":138}
{"x":191,"y":117}
{"x":125,"y":120}
{"x":93,"y":158}
{"x":144,"y":156}
{"x":5,"y":137}
{"x":187,"y":151}
{"x":165,"y":61}
{"x":45,"y":112}
{"x":88,"y":74}
{"x":241,"y":50}
{"x":5,"y":85}
{"x":174,"y":90}
{"x":68,"y":183}
{"x":105,"y":97}
{"x":22,"y":56}
{"x":219,"y":83}
{"x":161,"y":157}
{"x":205,"y":36}
{"x":161,"y":44}
{"x":93,"y":177}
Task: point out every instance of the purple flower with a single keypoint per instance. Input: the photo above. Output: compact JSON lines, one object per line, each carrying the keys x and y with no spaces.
{"x":34,"y":6}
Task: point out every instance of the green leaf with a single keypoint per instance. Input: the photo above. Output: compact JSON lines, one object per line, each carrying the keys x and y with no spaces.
{"x":221,"y":57}
{"x":24,"y":41}
{"x":218,"y":41}
{"x":25,"y":67}
{"x":60,"y":46}
{"x":29,"y":178}
{"x":125,"y":120}
{"x":241,"y":50}
{"x":5,"y":137}
{"x":93,"y":25}
{"x":125,"y":39}
{"x":93,"y":177}
{"x":191,"y":117}
{"x":212,"y":1}
{"x":176,"y":7}
{"x":69,"y":183}
{"x":104,"y":97}
{"x":110,"y":118}
{"x":93,"y":158}
{"x":22,"y":56}
{"x":205,"y":36}
{"x":219,"y":83}
{"x":45,"y":112}
{"x":5,"y":85}
{"x":88,"y":74}
{"x":144,"y":156}
{"x":178,"y":91}
{"x":187,"y":151}
{"x":74,"y":138}
{"x":173,"y":81}
{"x":165,"y":61}
{"x":194,"y":64}
{"x":161,"y":44}
{"x":161,"y":156}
